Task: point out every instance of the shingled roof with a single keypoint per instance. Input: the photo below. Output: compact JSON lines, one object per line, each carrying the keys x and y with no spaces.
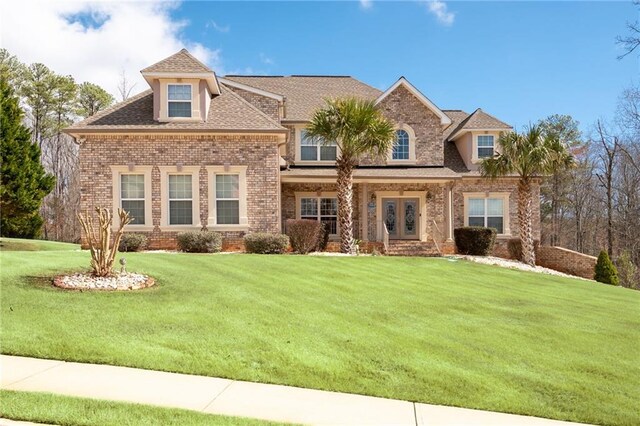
{"x":305,"y":94}
{"x":181,"y":62}
{"x":227,"y":112}
{"x":478,"y":120}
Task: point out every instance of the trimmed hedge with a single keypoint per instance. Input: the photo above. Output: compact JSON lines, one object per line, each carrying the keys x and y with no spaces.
{"x":605,"y":270}
{"x":514,"y":245}
{"x":323,"y":238}
{"x":303,"y":234}
{"x":475,"y":240}
{"x":263,"y":243}
{"x":132,"y":242}
{"x":200,"y":242}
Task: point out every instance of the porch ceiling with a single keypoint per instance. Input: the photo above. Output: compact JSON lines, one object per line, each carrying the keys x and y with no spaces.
{"x":372,"y":174}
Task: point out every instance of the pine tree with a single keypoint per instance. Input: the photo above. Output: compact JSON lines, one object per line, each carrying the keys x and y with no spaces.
{"x":606,"y":271}
{"x":24,"y":181}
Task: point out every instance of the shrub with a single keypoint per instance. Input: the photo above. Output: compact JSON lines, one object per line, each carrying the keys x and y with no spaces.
{"x":132,"y":242}
{"x":475,"y":240}
{"x":200,"y":242}
{"x":605,"y":271}
{"x":627,"y":271}
{"x":263,"y":243}
{"x":323,"y":238}
{"x":514,"y":245}
{"x":303,"y":234}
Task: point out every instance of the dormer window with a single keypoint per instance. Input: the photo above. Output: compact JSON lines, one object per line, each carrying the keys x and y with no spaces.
{"x":179,"y":98}
{"x":485,"y":146}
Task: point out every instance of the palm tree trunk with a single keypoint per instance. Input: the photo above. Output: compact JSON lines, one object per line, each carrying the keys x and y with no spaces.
{"x":525,"y":219}
{"x":345,"y":204}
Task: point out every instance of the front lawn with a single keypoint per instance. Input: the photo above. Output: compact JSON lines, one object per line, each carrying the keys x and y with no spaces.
{"x":429,"y":330}
{"x":65,"y":410}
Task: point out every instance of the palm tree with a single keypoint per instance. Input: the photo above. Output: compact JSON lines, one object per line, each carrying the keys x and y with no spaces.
{"x":529,"y":155}
{"x":357,"y":127}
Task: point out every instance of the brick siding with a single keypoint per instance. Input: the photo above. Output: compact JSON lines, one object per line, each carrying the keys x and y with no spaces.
{"x":567,"y":261}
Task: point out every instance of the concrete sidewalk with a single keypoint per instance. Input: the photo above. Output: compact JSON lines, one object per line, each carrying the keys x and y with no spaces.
{"x":236,"y":398}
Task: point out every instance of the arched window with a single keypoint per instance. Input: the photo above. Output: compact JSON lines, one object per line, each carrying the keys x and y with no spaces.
{"x":401,"y":146}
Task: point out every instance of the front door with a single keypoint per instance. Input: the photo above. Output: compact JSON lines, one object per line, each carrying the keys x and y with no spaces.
{"x":401,"y":215}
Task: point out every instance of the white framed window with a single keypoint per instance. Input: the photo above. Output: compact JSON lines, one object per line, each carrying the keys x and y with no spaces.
{"x":485,"y":145}
{"x":132,"y":193}
{"x":179,"y":99}
{"x":312,"y":150}
{"x":180,"y":200}
{"x":132,"y":197}
{"x":180,"y":197}
{"x":489,"y":210}
{"x":323,"y":208}
{"x":400,"y":150}
{"x":228,"y":197}
{"x":403,"y":149}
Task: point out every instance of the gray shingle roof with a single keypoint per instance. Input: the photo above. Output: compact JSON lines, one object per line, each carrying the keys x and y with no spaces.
{"x":305,"y":94}
{"x":478,"y":120}
{"x":181,"y":62}
{"x":227,"y":112}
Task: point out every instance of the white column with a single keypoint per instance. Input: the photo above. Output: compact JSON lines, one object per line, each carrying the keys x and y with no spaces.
{"x":450,"y":213}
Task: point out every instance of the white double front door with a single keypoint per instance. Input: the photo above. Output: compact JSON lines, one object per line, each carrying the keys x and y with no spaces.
{"x":401,"y":216}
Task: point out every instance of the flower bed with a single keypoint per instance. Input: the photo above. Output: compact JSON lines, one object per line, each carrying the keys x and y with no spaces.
{"x":119,"y":281}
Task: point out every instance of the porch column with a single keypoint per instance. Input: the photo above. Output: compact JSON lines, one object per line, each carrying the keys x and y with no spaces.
{"x":364,"y":213}
{"x":449,"y":232}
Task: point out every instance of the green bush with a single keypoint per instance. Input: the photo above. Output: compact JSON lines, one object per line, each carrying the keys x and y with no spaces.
{"x":475,"y":240}
{"x":514,"y":245}
{"x":303,"y":234}
{"x":627,"y":271}
{"x":323,"y":238}
{"x":605,"y":271}
{"x":200,"y":242}
{"x":132,"y":242}
{"x":263,"y":243}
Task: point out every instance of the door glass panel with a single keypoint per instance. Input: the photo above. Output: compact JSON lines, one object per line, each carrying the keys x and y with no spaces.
{"x":410,"y":217}
{"x":391,"y":216}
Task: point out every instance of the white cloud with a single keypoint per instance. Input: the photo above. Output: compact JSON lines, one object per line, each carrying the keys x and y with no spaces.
{"x":266,"y":60}
{"x":219,"y":28}
{"x":95,"y":40}
{"x":366,"y":4}
{"x":439,"y":9}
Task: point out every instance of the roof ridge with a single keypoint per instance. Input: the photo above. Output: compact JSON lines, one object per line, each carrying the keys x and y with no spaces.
{"x":256,"y":109}
{"x":493,"y":116}
{"x":462,"y":123}
{"x":181,"y":51}
{"x":112,"y":108}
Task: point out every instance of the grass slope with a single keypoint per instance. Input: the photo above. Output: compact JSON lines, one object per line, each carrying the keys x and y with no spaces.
{"x":64,"y":410}
{"x":429,"y":330}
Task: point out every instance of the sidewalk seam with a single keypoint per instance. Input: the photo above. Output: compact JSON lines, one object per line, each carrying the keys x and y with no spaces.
{"x":219,"y":393}
{"x":35,"y":374}
{"x":415,"y":413}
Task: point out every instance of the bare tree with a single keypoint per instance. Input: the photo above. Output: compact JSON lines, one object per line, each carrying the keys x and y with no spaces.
{"x":610,"y":149}
{"x":124,"y":86}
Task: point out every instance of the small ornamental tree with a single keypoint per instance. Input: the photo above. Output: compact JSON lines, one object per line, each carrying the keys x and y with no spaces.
{"x":102,"y":247}
{"x":606,"y":271}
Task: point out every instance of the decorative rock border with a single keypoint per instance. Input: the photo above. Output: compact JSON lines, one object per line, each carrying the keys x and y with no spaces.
{"x":117,"y":282}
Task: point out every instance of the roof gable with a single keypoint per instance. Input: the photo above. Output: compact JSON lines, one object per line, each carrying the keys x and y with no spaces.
{"x":444,"y":119}
{"x":479,"y":120}
{"x":181,"y":62}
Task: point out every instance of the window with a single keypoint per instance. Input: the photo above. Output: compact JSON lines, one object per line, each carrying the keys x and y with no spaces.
{"x":401,"y":146}
{"x":485,"y":146}
{"x":227,"y":199}
{"x":179,"y":96}
{"x":132,"y":197}
{"x":321,"y":208}
{"x":487,"y":212}
{"x":311,"y":150}
{"x":180,"y":200}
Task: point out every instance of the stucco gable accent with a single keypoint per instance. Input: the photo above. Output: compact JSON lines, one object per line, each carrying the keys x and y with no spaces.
{"x":444,"y":119}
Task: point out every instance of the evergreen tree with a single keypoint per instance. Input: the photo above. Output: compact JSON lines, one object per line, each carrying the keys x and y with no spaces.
{"x":606,"y":271}
{"x":91,"y":99}
{"x":24,"y":181}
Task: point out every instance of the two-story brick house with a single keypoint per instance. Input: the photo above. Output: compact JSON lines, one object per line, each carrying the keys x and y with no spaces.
{"x":230,"y":154}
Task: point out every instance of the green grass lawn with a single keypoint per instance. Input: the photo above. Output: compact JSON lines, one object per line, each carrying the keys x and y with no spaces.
{"x":429,"y":330}
{"x":64,"y":410}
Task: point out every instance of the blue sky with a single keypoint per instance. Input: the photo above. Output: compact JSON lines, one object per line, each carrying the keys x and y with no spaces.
{"x":520,"y":61}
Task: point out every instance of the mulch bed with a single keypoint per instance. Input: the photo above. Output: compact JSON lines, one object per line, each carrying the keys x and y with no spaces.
{"x":119,"y":281}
